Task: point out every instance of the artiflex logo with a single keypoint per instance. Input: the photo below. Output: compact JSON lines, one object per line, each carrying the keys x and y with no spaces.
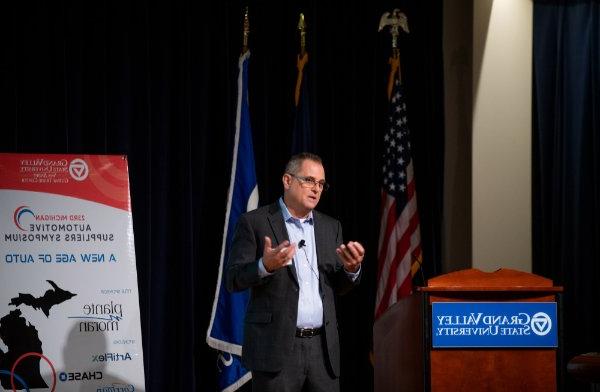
{"x":111,"y":357}
{"x":541,"y":324}
{"x":78,"y":169}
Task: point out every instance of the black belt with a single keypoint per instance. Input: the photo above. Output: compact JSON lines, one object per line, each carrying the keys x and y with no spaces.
{"x":308,"y":332}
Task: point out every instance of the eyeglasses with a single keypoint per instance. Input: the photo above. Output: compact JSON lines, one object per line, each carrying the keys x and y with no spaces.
{"x":310,"y":182}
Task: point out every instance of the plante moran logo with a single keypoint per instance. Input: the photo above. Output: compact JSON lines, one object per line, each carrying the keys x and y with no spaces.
{"x":78,"y":169}
{"x":100,"y":317}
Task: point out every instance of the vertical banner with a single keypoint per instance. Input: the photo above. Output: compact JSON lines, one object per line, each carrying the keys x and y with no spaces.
{"x":69,"y":304}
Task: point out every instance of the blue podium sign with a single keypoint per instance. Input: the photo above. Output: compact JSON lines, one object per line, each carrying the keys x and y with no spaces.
{"x":494,"y":324}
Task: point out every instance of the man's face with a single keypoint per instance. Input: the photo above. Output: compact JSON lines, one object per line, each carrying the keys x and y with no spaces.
{"x":300,"y":196}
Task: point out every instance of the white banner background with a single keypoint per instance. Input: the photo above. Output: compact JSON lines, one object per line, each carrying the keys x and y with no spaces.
{"x":92,"y":339}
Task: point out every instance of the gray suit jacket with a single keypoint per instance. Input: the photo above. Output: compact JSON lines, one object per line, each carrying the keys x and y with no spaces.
{"x":270,"y":323}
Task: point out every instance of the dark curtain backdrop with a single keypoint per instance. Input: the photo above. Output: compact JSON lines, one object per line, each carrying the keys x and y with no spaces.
{"x":157,"y":81}
{"x":566,"y":164}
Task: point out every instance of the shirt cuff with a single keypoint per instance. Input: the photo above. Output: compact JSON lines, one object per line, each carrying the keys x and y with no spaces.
{"x":352,"y":275}
{"x":262,"y":271}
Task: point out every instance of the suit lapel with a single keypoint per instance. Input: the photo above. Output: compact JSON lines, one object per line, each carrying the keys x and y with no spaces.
{"x":275,"y":218}
{"x":321,"y":244}
{"x":280,"y":233}
{"x":320,"y":239}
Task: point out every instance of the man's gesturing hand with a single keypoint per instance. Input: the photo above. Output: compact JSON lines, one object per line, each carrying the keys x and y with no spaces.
{"x":275,"y":258}
{"x":351,"y":255}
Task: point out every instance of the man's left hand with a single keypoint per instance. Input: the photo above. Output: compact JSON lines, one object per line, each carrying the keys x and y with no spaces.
{"x":352,"y":255}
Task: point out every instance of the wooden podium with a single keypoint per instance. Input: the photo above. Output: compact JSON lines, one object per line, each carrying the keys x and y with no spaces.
{"x":402,"y":341}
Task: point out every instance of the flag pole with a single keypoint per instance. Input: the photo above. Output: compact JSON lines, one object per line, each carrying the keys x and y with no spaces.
{"x":302,"y":58}
{"x":246,"y":31}
{"x":303,"y":132}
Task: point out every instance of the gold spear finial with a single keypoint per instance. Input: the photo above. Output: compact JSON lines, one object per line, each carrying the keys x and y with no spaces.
{"x":246,"y":30}
{"x":302,"y":28}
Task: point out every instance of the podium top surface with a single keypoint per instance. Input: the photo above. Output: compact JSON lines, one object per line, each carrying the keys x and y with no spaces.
{"x":503,"y":279}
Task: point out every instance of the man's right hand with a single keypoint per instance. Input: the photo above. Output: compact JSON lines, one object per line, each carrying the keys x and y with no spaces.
{"x":280,"y":256}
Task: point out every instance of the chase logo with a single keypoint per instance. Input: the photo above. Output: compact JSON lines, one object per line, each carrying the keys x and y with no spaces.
{"x":78,"y":169}
{"x":541,"y":324}
{"x":80,"y":376}
{"x":21,"y":215}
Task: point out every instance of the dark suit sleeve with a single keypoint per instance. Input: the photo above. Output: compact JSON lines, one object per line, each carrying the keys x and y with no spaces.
{"x":242,"y":264}
{"x":343,"y":283}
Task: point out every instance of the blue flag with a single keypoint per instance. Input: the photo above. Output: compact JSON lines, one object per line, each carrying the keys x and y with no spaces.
{"x":226,"y":329}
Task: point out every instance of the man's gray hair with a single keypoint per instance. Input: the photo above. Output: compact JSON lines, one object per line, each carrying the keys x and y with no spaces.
{"x":293,"y":165}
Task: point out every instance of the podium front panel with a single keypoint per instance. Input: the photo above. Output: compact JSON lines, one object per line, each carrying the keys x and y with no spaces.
{"x":492,"y":369}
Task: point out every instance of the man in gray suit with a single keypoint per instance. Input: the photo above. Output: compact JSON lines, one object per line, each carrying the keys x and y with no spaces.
{"x":293,"y":260}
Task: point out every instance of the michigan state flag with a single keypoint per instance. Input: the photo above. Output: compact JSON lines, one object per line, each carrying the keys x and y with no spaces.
{"x":303,"y":134}
{"x":225,"y":331}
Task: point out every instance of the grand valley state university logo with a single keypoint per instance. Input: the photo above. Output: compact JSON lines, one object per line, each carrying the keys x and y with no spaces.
{"x":494,"y":324}
{"x":78,"y":169}
{"x":541,"y":324}
{"x":45,"y":170}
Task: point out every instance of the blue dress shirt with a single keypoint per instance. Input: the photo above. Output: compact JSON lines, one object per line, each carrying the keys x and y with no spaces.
{"x":310,"y":305}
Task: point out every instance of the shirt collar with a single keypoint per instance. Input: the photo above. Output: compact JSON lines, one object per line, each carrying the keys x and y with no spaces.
{"x":288,"y":217}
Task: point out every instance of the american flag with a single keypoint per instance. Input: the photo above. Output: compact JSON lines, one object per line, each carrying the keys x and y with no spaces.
{"x":399,"y":250}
